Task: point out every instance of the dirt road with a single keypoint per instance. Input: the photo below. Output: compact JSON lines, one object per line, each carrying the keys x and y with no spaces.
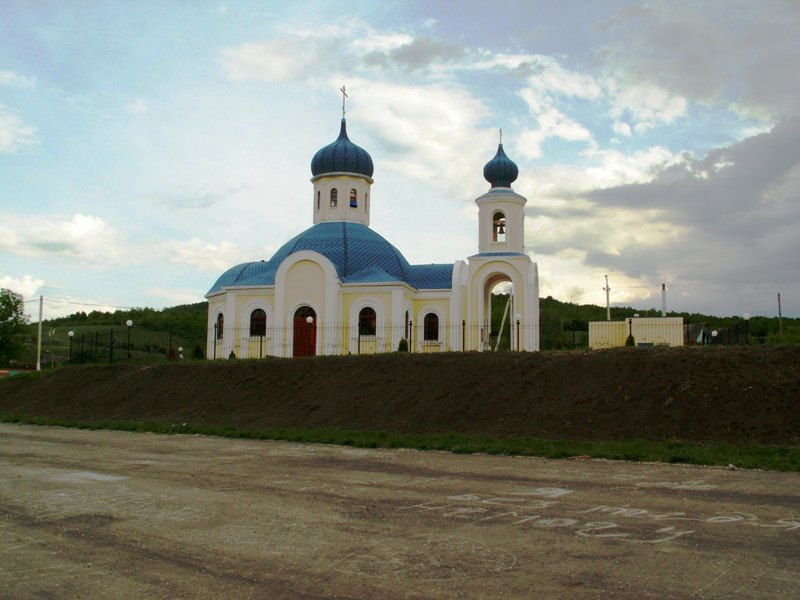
{"x":124,"y":515}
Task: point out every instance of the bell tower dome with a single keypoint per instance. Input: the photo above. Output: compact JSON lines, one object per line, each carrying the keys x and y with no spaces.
{"x":501,"y":214}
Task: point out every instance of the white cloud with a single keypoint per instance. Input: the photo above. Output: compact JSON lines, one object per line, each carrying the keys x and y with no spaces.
{"x":565,"y":275}
{"x":11,"y":79}
{"x":380,"y":42}
{"x":138,"y":106}
{"x":14,"y":132}
{"x":622,"y":129}
{"x":273,"y":61}
{"x":542,"y":94}
{"x":425,"y":129}
{"x":27,"y":286}
{"x":727,"y":53}
{"x":204,"y":256}
{"x":79,"y":237}
{"x":549,"y":186}
{"x":201,"y":197}
{"x":303,"y":54}
{"x":172,"y":296}
{"x":645,"y":105}
{"x":613,"y":168}
{"x":486,"y":60}
{"x":551,"y":79}
{"x":552,"y":124}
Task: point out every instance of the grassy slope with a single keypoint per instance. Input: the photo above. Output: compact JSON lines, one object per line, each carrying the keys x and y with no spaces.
{"x":709,"y":406}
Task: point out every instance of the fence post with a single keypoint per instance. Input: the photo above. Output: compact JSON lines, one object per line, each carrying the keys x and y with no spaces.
{"x":463,"y":335}
{"x":214,"y":341}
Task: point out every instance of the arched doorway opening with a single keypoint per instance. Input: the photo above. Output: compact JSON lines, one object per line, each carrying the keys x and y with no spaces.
{"x":305,"y":332}
{"x":498,"y":331}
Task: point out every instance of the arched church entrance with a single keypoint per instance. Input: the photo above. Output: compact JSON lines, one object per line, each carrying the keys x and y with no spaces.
{"x":305,"y":332}
{"x":498,"y":327}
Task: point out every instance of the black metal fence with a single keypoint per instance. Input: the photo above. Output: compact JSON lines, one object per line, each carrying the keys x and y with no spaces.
{"x":114,"y":345}
{"x":341,"y":339}
{"x":110,"y":345}
{"x":697,"y":334}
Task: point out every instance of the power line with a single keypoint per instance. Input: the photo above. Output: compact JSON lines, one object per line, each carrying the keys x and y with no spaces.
{"x":75,"y":303}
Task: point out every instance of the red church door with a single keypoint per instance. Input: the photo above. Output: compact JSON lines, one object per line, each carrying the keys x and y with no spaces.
{"x":305,"y":332}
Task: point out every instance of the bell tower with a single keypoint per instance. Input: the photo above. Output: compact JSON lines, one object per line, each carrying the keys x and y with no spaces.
{"x":342,"y":178}
{"x":501,"y":214}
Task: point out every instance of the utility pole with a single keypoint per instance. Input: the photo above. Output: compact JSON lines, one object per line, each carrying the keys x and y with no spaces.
{"x":663,"y":299}
{"x":780,"y":317}
{"x":39,"y":338}
{"x":608,"y":307}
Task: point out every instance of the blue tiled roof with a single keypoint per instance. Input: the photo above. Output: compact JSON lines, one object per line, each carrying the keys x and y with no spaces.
{"x":489,"y":254}
{"x":358,"y":254}
{"x":371,"y":275}
{"x":342,"y":156}
{"x":237,"y":274}
{"x":431,"y":277}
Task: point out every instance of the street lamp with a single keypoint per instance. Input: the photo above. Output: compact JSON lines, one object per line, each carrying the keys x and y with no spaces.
{"x":129,"y":323}
{"x":180,"y":352}
{"x":71,"y":335}
{"x":310,"y":321}
{"x":746,"y":317}
{"x":714,"y":335}
{"x":517,"y":317}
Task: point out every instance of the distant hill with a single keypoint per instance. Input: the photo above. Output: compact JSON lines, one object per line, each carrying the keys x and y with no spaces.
{"x":183,"y":316}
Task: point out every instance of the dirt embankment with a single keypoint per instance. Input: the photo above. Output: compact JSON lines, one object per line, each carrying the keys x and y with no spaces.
{"x":727,"y":394}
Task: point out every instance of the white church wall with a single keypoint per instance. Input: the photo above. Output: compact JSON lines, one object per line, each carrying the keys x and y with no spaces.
{"x":314,"y":283}
{"x":343,"y":211}
{"x":216,"y":307}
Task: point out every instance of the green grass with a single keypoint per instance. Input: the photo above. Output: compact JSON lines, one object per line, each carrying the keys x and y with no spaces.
{"x":746,"y":456}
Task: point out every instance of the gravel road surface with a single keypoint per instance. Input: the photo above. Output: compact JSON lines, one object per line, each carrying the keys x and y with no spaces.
{"x":124,"y":515}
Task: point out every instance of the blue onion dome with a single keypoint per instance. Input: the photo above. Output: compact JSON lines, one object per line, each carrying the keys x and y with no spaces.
{"x":501,"y":171}
{"x":342,"y":156}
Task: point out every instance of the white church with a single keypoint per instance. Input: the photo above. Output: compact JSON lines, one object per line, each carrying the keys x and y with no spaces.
{"x":339,"y":287}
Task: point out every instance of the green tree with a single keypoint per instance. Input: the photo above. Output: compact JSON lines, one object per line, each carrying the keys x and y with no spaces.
{"x":13,"y":325}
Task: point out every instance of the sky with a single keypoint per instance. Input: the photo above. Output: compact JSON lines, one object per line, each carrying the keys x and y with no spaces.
{"x":145,"y":147}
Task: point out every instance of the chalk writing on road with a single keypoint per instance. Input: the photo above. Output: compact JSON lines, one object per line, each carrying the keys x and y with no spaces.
{"x":623,"y":523}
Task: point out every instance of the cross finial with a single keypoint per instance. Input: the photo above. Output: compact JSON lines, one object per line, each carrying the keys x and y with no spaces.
{"x":501,"y":135}
{"x":344,"y":95}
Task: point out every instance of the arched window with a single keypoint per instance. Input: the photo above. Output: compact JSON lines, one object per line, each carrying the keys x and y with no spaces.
{"x":318,"y":198}
{"x":499,"y":227}
{"x":353,"y":199}
{"x":407,"y":326}
{"x":431,"y":328}
{"x":366,"y":321}
{"x":334,"y":197}
{"x":258,"y":323}
{"x":220,"y":324}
